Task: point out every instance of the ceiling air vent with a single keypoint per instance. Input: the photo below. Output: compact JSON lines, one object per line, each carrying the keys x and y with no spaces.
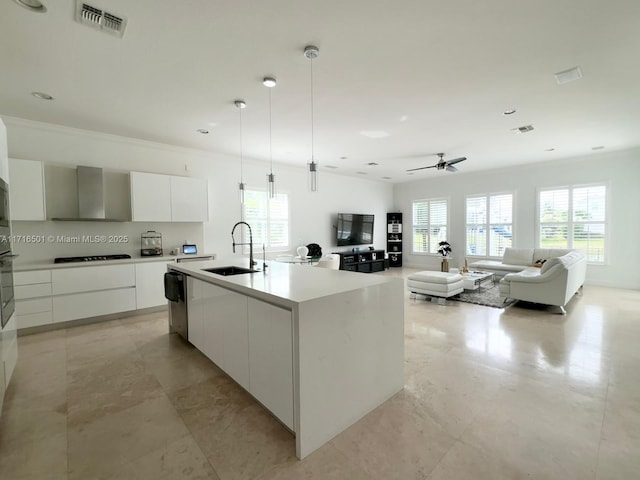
{"x":98,"y":18}
{"x":525,"y":129}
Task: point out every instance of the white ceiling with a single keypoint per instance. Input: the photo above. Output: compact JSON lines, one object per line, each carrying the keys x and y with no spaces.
{"x":435,"y":75}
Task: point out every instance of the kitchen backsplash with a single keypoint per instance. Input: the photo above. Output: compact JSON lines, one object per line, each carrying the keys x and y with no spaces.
{"x":43,"y":241}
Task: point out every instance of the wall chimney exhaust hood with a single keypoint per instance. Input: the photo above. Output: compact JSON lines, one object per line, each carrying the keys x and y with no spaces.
{"x":90,"y":197}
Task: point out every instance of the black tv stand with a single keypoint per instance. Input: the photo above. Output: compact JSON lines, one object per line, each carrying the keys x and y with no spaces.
{"x":365,"y":261}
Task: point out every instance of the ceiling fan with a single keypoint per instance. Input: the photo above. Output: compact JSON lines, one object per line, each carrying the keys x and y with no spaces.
{"x":443,"y":164}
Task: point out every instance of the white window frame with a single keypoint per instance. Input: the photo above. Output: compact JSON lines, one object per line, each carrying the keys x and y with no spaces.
{"x":570,"y":222}
{"x":488,"y":224}
{"x":428,"y":226}
{"x":257,"y":245}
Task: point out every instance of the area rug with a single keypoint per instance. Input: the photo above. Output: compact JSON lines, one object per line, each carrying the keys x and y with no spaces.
{"x":489,"y":297}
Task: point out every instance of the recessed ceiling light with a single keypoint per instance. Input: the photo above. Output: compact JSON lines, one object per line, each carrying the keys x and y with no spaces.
{"x":374,"y":133}
{"x":569,"y":75}
{"x":343,"y":158}
{"x":203,"y":131}
{"x":372,"y":164}
{"x":404,"y":118}
{"x":42,"y":95}
{"x":599,"y":147}
{"x":269,"y":82}
{"x":330,"y":166}
{"x":549,"y":149}
{"x":212,"y":124}
{"x":523,"y":129}
{"x":509,"y":111}
{"x":32,"y":5}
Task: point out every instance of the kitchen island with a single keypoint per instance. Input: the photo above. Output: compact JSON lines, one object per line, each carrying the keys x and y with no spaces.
{"x":319,"y":348}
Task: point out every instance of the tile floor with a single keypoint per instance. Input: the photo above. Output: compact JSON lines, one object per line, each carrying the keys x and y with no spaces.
{"x":489,"y":394}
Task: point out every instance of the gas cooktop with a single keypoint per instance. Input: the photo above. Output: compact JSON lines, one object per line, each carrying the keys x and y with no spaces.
{"x":91,"y":258}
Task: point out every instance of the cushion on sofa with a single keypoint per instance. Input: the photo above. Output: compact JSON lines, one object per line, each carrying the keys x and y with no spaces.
{"x":494,"y":266}
{"x":547,"y":253}
{"x":518,"y":256}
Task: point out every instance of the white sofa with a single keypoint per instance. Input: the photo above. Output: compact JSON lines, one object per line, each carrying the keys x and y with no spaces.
{"x":517,"y":259}
{"x":553,"y":284}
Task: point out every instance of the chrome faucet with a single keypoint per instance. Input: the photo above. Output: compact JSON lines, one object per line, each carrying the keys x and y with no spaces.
{"x":252,"y":263}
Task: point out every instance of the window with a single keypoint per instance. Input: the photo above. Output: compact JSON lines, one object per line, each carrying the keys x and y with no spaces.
{"x":269,"y":219}
{"x":429,"y":224}
{"x":574,"y":217}
{"x":489,"y":224}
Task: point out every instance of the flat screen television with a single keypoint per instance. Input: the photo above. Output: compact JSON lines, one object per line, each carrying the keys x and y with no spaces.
{"x":354,"y":229}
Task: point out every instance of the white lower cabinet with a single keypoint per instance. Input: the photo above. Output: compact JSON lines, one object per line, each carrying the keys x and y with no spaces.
{"x":33,"y":298}
{"x":88,"y":279}
{"x":92,"y":304}
{"x":195,"y":311}
{"x":249,"y":339}
{"x":150,"y":284}
{"x":218,"y":327}
{"x":271,"y":358}
{"x":9,"y":349}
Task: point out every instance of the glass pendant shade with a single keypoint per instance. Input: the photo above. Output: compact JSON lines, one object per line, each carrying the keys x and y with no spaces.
{"x":313,"y":176}
{"x":271,"y":185}
{"x":241,"y":189}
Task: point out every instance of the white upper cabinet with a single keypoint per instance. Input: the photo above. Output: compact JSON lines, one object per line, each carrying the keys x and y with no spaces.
{"x":26,"y":190}
{"x":189,"y":200}
{"x":150,"y":197}
{"x":165,"y":198}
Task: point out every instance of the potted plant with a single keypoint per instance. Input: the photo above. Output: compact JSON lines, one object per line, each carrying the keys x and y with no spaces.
{"x":444,"y":249}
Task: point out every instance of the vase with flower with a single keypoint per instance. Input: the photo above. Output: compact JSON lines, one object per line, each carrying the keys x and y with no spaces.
{"x":444,"y":249}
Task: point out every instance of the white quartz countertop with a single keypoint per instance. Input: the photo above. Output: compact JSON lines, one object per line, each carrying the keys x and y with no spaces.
{"x":283,"y":284}
{"x":22,"y":266}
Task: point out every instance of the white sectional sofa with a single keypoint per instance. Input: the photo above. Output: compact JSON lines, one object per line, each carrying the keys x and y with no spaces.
{"x":559,"y":278}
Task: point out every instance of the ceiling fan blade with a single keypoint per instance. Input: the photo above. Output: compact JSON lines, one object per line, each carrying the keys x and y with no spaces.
{"x":451,"y":168}
{"x":420,"y":168}
{"x":456,"y":160}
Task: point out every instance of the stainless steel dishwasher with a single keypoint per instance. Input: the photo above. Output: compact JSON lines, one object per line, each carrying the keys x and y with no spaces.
{"x":175,"y":290}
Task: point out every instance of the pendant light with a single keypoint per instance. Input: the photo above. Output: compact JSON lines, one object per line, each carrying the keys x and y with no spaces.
{"x":240,"y":104}
{"x":312,"y":52}
{"x":270,"y":82}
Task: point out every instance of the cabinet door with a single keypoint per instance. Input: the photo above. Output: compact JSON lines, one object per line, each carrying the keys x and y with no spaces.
{"x":86,"y":279}
{"x":189,"y":200}
{"x":26,"y":191}
{"x":227,"y":312}
{"x":195,"y":310}
{"x":150,"y":197}
{"x":271,"y":358}
{"x":221,"y":330}
{"x":92,"y":304}
{"x":150,"y":284}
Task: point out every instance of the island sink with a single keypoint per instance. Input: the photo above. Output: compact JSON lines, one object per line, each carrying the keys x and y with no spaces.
{"x":226,"y":271}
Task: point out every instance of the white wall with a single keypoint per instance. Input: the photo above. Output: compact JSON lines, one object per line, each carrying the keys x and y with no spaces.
{"x":619,"y":170}
{"x":312,"y":214}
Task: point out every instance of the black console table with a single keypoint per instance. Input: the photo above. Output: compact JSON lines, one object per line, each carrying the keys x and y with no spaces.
{"x":365,"y":261}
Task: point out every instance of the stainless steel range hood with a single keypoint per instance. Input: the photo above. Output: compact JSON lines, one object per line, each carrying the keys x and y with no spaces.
{"x":90,"y":196}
